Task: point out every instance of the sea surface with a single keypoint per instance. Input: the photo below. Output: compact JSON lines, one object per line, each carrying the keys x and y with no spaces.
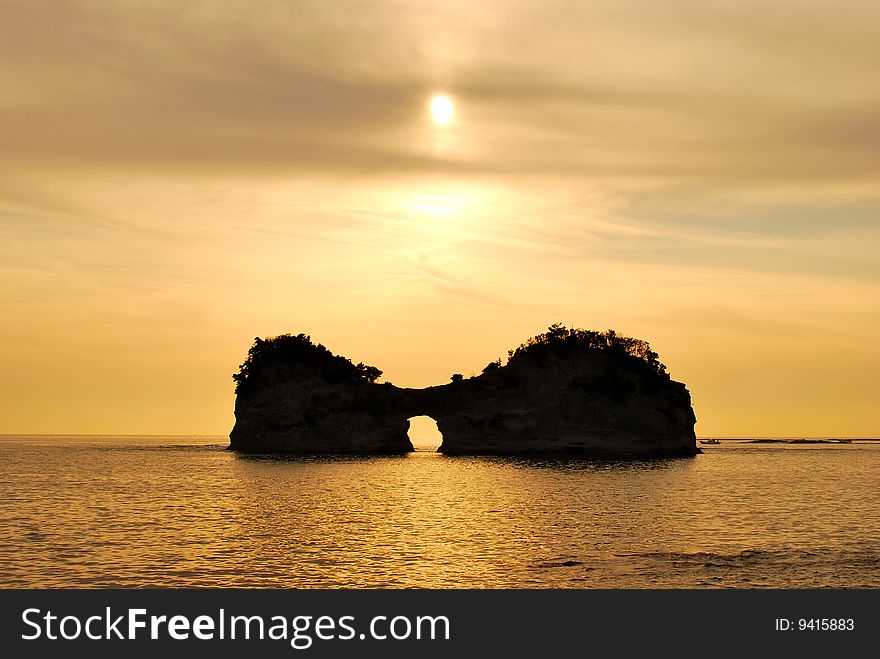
{"x":97,"y":511}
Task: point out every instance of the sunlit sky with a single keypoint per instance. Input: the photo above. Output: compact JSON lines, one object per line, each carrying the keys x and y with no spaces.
{"x":177,"y":178}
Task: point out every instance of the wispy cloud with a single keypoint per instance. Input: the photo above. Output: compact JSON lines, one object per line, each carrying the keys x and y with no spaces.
{"x":172,"y":180}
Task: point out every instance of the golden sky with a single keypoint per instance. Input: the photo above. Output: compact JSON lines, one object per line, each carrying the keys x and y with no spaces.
{"x":178,"y":177}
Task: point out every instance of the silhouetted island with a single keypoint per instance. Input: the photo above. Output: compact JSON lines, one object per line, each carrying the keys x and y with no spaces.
{"x":566,"y":391}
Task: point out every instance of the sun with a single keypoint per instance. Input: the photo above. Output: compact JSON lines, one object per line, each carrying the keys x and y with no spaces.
{"x":442,"y":109}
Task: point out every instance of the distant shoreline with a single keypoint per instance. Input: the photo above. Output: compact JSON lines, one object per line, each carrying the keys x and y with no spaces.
{"x":792,"y":440}
{"x":108,"y":434}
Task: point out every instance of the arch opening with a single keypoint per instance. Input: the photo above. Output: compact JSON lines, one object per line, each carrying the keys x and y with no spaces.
{"x":424,"y":434}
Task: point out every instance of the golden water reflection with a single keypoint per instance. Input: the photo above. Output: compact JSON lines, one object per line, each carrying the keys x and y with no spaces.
{"x":185,"y":513}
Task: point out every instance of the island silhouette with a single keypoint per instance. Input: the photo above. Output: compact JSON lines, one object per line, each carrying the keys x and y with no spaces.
{"x":566,"y":391}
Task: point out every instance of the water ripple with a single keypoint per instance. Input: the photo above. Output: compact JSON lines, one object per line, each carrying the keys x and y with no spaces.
{"x":145,"y":512}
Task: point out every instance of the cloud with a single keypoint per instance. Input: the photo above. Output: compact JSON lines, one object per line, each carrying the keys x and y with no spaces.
{"x":194,"y":173}
{"x":746,"y":93}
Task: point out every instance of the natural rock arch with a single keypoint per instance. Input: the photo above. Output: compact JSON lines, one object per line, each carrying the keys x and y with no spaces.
{"x":423,"y":433}
{"x":565,"y":392}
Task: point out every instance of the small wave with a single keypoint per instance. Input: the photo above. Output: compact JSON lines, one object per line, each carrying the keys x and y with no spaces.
{"x":558,"y":564}
{"x":764,"y":557}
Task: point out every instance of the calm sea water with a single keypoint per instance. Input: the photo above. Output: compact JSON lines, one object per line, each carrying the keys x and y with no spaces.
{"x":182,"y":511}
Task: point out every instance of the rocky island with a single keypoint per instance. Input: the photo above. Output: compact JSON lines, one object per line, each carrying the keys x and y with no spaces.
{"x":566,"y":391}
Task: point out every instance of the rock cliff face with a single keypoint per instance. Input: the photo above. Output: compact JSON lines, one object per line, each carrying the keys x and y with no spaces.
{"x":564,"y":392}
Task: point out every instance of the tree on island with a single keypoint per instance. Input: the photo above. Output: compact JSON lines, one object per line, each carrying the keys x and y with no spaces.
{"x":288,"y":350}
{"x":274,"y":358}
{"x":559,"y":339}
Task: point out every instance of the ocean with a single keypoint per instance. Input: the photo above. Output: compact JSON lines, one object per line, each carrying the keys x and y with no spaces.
{"x":137,"y":512}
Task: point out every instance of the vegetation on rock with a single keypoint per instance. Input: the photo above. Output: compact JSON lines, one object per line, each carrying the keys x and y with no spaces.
{"x":271,"y":359}
{"x":286,"y":351}
{"x":559,"y":340}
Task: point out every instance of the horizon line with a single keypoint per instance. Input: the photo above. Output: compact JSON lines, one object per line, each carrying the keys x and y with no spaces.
{"x":213,"y":435}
